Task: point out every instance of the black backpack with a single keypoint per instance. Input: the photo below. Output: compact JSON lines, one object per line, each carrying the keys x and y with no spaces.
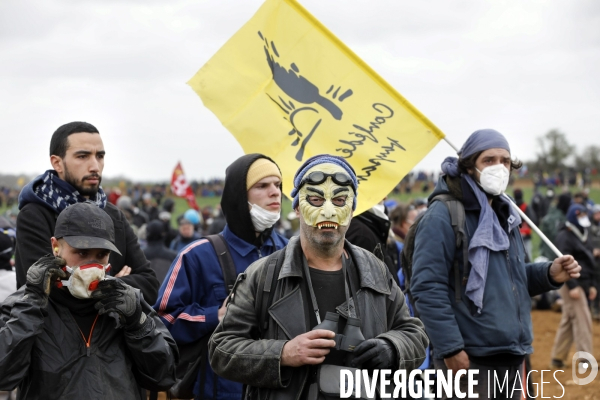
{"x":457,"y":216}
{"x":193,"y":357}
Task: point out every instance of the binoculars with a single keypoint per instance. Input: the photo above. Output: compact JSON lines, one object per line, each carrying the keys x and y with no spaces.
{"x":352,"y":335}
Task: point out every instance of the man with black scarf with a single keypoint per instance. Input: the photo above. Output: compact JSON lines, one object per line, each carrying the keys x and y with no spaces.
{"x":191,"y":299}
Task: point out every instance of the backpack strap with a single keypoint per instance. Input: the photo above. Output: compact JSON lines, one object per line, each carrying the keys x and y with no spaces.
{"x":225,"y":261}
{"x":458,"y":221}
{"x":268,"y":282}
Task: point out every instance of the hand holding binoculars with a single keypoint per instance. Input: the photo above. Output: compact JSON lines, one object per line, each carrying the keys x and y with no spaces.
{"x":352,"y":335}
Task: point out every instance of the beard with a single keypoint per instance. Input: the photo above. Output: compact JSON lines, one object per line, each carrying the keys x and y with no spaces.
{"x":324,"y":242}
{"x":90,"y":191}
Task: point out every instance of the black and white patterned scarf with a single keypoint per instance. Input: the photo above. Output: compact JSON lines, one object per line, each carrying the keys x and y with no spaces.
{"x":60,"y":194}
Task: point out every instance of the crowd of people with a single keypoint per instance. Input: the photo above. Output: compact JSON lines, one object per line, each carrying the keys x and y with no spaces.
{"x":108,"y":300}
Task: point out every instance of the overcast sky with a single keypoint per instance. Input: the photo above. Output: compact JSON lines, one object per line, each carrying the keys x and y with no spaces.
{"x":522,"y":67}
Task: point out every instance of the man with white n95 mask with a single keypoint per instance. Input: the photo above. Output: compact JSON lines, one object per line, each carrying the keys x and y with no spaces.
{"x":473,"y":294}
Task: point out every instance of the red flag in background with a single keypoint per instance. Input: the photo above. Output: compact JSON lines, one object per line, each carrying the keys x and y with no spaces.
{"x":181,"y":188}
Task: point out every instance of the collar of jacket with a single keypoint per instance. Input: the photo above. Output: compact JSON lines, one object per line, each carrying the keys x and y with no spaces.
{"x":292,"y":265}
{"x":242,"y":247}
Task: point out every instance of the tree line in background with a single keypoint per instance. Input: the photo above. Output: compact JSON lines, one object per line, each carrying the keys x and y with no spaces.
{"x":555,"y":153}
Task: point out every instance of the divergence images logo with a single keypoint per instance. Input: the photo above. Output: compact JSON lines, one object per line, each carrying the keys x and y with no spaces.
{"x":301,"y":90}
{"x":584,"y":364}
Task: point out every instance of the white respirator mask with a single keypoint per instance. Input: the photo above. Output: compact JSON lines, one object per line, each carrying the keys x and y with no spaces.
{"x":494,"y":179}
{"x":84,"y":279}
{"x":584,"y":221}
{"x":262,"y":219}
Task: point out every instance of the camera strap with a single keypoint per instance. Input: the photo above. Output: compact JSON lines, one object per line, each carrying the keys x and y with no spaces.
{"x":346,"y":289}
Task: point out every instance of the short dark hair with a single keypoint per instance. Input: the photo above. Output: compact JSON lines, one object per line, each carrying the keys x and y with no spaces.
{"x":400,"y":213}
{"x":464,"y":164}
{"x":59,"y":142}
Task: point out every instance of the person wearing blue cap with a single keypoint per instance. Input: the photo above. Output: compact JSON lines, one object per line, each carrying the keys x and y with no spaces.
{"x":295,"y":320}
{"x":576,"y":322}
{"x":477,"y":314}
{"x":188,"y":234}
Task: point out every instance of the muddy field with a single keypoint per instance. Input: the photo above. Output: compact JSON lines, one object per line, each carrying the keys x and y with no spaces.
{"x":545,"y":324}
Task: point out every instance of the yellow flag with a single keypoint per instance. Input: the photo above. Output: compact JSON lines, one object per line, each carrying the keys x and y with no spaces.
{"x":286,"y":87}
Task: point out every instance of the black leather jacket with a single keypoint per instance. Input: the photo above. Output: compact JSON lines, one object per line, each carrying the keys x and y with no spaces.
{"x":43,"y":352}
{"x":238,"y":353}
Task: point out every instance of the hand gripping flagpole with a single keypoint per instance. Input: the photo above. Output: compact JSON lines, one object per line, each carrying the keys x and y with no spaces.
{"x":522,"y":214}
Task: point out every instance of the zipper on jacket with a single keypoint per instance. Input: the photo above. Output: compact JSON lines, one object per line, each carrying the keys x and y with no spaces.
{"x":88,"y":341}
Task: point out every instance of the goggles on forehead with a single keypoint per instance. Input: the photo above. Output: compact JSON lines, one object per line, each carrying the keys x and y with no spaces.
{"x":318,"y":177}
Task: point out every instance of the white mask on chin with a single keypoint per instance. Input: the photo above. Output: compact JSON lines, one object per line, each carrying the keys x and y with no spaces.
{"x":84,"y":279}
{"x":494,"y":179}
{"x":262,"y":219}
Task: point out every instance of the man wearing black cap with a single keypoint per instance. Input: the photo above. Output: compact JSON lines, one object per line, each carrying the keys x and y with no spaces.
{"x":77,"y":158}
{"x":191,"y":298}
{"x":88,"y":335}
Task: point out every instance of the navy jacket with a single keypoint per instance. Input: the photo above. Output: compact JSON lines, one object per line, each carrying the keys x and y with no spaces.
{"x":193,"y":291}
{"x":504,"y":324}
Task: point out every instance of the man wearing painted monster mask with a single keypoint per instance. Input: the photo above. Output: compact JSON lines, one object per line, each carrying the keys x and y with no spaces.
{"x":94,"y":338}
{"x":191,"y":301}
{"x":299,"y":316}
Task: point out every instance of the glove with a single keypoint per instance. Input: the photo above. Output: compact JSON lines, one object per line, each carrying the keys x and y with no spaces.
{"x":121,"y":302}
{"x":43,"y":273}
{"x":374,"y":354}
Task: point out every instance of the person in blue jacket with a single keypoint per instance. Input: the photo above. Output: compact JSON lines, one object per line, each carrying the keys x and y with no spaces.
{"x":191,"y":300}
{"x":489,"y":326}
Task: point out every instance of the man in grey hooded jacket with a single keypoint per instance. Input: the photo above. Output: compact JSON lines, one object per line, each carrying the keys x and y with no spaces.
{"x":318,"y":274}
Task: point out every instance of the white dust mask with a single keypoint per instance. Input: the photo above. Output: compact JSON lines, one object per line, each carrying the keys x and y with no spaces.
{"x":584,"y":222}
{"x":84,"y":279}
{"x":262,"y":219}
{"x":494,"y":179}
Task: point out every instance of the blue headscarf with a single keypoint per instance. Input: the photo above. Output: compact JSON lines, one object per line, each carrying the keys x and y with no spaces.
{"x":323,"y":159}
{"x":489,"y":234}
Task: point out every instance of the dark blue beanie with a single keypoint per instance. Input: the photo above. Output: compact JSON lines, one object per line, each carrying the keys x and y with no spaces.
{"x":323,"y":159}
{"x":480,"y":140}
{"x":572,"y":215}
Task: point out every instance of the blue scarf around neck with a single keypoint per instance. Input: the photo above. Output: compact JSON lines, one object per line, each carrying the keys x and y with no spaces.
{"x":60,"y":194}
{"x":489,"y":235}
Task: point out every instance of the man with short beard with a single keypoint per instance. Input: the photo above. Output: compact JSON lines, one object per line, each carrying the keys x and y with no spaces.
{"x":478,"y":313}
{"x":77,"y":158}
{"x":321,"y":285}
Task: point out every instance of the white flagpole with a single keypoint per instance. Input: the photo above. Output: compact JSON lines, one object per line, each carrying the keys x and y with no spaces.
{"x":522,"y":214}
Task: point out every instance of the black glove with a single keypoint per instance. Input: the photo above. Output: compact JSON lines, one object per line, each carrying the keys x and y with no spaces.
{"x":120,"y":301}
{"x":374,"y":354}
{"x":43,"y":273}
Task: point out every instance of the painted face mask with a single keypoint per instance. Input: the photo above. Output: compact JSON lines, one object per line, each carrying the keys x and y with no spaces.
{"x":494,"y":179}
{"x":326,"y":196}
{"x":84,"y":279}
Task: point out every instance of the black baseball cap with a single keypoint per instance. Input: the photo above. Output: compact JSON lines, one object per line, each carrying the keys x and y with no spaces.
{"x":86,"y":226}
